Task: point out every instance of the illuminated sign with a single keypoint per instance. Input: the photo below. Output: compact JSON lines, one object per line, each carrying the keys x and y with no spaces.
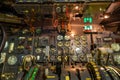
{"x":88,"y":27}
{"x":88,"y":19}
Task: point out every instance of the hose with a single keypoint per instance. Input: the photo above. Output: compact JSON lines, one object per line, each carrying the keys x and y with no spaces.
{"x":3,"y":37}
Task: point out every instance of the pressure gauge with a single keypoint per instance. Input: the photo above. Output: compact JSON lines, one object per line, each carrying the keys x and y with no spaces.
{"x":38,"y":50}
{"x":53,"y":50}
{"x":59,"y":37}
{"x":67,"y":37}
{"x":83,"y":38}
{"x":74,"y":58}
{"x":58,"y":9}
{"x":76,"y":38}
{"x":115,"y":47}
{"x":12,"y":60}
{"x":60,"y":44}
{"x":64,"y":8}
{"x":67,"y":44}
{"x":59,"y":58}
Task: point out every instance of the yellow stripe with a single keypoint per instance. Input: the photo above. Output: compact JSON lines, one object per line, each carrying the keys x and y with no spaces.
{"x":50,"y":76}
{"x":67,"y":78}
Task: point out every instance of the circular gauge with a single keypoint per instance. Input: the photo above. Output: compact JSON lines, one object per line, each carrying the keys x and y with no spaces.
{"x":58,"y":9}
{"x":84,"y":43}
{"x":53,"y":50}
{"x":12,"y":60}
{"x":38,"y":50}
{"x":77,"y":38}
{"x":67,"y":37}
{"x":67,"y":44}
{"x":77,"y":42}
{"x":59,"y":58}
{"x":59,"y":37}
{"x":60,"y":44}
{"x":78,"y":50}
{"x":44,"y":50}
{"x":64,"y":8}
{"x":74,"y":58}
{"x":115,"y":47}
{"x":83,"y":38}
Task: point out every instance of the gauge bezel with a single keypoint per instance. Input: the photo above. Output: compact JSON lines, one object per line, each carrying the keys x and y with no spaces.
{"x":59,"y":37}
{"x":12,"y":62}
{"x":67,"y":37}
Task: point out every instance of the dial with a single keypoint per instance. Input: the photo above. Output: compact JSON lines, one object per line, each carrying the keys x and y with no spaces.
{"x":77,"y":38}
{"x":60,"y":44}
{"x":38,"y":50}
{"x":115,"y":47}
{"x":74,"y":58}
{"x":59,"y":37}
{"x":59,"y":58}
{"x":83,"y":38}
{"x":58,"y":9}
{"x":67,"y":44}
{"x":67,"y":37}
{"x":12,"y":60}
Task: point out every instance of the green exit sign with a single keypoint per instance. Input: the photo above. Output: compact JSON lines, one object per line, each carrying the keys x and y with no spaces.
{"x":88,"y":19}
{"x":88,"y":27}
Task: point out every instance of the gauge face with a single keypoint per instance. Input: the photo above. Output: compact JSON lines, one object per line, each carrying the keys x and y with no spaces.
{"x":59,"y":37}
{"x":115,"y":47}
{"x":74,"y":58}
{"x":77,"y":38}
{"x":64,"y":8}
{"x":59,"y":58}
{"x":77,"y":42}
{"x":53,"y":50}
{"x":60,"y":44}
{"x":84,"y":43}
{"x":78,"y":50}
{"x":67,"y":37}
{"x":12,"y":60}
{"x":83,"y":38}
{"x":67,"y":44}
{"x":58,"y":9}
{"x":38,"y":50}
